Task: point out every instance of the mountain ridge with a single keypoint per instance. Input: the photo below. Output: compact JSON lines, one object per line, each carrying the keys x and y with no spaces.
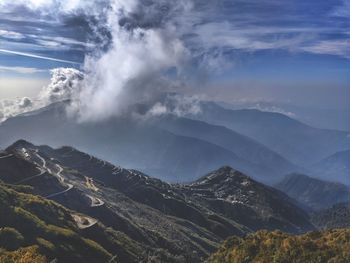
{"x":170,"y":156}
{"x":296,"y":141}
{"x":177,"y":219}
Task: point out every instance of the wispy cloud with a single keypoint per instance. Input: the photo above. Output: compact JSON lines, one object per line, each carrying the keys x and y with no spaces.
{"x":342,"y":10}
{"x":21,"y":70}
{"x":11,"y":34}
{"x":149,"y":40}
{"x":209,"y":28}
{"x":252,"y":37}
{"x":330,"y":47}
{"x":37,"y":56}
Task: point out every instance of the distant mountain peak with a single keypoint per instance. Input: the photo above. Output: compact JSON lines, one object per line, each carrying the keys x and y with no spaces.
{"x":20,"y":144}
{"x":67,"y":148}
{"x":224,"y":174}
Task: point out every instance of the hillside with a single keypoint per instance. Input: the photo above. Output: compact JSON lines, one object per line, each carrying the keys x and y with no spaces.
{"x":337,"y":216}
{"x":179,"y":222}
{"x":35,"y":229}
{"x":145,"y":189}
{"x":251,"y":203}
{"x":158,"y":233}
{"x":266,"y":247}
{"x":336,"y":166}
{"x":267,"y":164}
{"x":314,"y":193}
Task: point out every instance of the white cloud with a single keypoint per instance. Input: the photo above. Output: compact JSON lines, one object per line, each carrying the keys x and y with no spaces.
{"x":330,"y":47}
{"x":10,"y":108}
{"x":21,"y":70}
{"x":58,"y":42}
{"x":158,"y":109}
{"x":55,"y":7}
{"x":176,"y":104}
{"x":31,"y":55}
{"x":227,"y":35}
{"x":272,"y":108}
{"x":11,"y":34}
{"x":132,"y":70}
{"x":65,"y":82}
{"x":149,"y":40}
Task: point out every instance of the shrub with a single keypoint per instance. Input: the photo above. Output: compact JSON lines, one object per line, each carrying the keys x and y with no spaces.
{"x":10,"y":238}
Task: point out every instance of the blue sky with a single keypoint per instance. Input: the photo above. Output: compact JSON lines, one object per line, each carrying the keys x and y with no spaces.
{"x":246,"y":49}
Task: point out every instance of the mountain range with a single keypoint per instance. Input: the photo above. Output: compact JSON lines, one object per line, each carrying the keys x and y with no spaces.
{"x":171,"y":148}
{"x":264,"y":145}
{"x":299,"y":143}
{"x":124,"y":214}
{"x":319,"y":117}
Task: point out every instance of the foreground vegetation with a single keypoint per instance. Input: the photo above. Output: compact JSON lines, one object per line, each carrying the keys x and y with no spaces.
{"x":33,"y":229}
{"x":332,"y":246}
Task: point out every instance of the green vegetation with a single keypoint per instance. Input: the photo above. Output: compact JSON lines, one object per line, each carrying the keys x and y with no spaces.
{"x":10,"y":238}
{"x":331,"y":246}
{"x":23,"y":255}
{"x":33,"y":229}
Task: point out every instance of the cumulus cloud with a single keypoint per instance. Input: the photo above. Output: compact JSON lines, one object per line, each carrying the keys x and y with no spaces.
{"x":133,"y":70}
{"x":65,"y":83}
{"x":146,"y":47}
{"x":176,"y":104}
{"x":10,"y":108}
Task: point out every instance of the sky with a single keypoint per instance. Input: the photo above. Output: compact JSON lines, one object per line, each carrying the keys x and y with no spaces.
{"x":293,"y":51}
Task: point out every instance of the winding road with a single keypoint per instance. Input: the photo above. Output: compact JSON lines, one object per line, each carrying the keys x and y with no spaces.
{"x":84,"y":222}
{"x":6,"y":156}
{"x":70,"y":186}
{"x":60,"y":170}
{"x":58,"y":174}
{"x":30,"y":178}
{"x":95,"y":202}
